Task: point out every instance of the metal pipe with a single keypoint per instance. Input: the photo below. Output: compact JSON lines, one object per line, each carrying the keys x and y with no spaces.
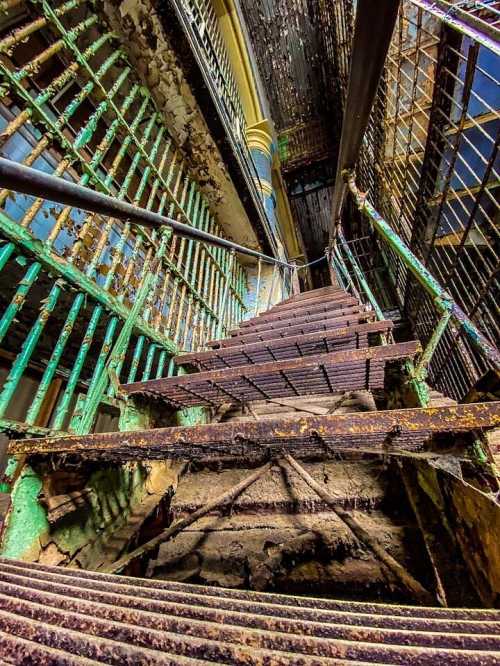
{"x":442,"y":299}
{"x":372,"y":35}
{"x":30,"y":181}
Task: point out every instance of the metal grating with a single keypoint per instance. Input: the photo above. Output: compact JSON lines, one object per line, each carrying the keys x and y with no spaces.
{"x":279,"y":349}
{"x":325,"y":373}
{"x":54,"y":615}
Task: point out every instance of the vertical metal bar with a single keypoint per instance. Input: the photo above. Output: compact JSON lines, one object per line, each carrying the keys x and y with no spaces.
{"x":360,"y":276}
{"x":94,"y":398}
{"x":424,"y":361}
{"x":271,"y":290}
{"x":345,"y":272}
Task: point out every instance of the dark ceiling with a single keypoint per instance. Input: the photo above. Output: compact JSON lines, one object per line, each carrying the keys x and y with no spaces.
{"x":302,"y":50}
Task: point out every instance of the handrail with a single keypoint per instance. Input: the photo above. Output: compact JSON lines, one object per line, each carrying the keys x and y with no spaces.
{"x":20,"y":178}
{"x":442,"y":300}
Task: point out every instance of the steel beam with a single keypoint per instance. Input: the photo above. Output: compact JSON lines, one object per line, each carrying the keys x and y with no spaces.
{"x":373,"y":30}
{"x":377,"y":432}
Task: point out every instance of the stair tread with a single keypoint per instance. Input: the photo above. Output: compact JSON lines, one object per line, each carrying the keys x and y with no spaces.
{"x":324,"y":305}
{"x":187,"y":622}
{"x":297,"y":329}
{"x":289,"y":347}
{"x":325,"y":373}
{"x":292,"y":321}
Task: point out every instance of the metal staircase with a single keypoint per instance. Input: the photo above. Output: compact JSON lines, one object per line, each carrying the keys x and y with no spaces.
{"x":297,"y":357}
{"x":297,"y":349}
{"x":59,"y":616}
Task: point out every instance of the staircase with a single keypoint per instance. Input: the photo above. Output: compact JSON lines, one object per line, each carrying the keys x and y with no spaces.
{"x":304,"y":381}
{"x":51,"y":615}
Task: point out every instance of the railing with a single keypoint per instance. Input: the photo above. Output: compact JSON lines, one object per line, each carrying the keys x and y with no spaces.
{"x":85,"y":292}
{"x":451,"y":316}
{"x":429,"y":165}
{"x":118,"y":360}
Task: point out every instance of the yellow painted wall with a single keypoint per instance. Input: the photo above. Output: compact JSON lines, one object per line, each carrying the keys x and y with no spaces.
{"x":234,"y":40}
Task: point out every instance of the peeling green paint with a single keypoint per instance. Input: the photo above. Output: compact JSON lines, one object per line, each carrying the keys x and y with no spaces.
{"x":192,"y":415}
{"x":27,"y":520}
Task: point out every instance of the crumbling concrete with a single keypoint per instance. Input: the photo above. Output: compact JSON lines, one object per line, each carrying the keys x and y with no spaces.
{"x":279,"y":535}
{"x":157,"y":62}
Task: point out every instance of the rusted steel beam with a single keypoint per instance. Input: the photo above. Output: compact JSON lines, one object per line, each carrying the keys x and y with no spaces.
{"x":326,"y":373}
{"x":84,"y":612}
{"x":296,"y":329}
{"x":283,"y":348}
{"x":378,"y":432}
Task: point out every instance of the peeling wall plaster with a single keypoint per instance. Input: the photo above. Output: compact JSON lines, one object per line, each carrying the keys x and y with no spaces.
{"x":138,"y":25}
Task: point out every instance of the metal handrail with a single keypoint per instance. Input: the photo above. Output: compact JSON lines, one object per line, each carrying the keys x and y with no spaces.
{"x":20,"y":178}
{"x":442,"y":300}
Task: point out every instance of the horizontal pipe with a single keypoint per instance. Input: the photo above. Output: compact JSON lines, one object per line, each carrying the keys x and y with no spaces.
{"x":442,"y":299}
{"x":20,"y":178}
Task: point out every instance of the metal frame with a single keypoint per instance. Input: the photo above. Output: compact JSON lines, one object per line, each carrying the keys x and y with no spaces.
{"x":428,"y":165}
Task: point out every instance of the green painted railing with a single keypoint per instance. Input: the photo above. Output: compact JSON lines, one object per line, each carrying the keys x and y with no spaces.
{"x":82,"y":307}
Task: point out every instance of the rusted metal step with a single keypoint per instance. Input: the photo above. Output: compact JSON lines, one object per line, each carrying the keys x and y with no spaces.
{"x":326,"y":373}
{"x":311,"y":302}
{"x":385,"y":432}
{"x":313,"y":293}
{"x":278,"y":349}
{"x":297,"y":329}
{"x":298,"y":318}
{"x":291,"y":311}
{"x":53,"y":615}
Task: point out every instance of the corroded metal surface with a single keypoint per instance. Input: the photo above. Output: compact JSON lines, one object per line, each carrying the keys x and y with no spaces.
{"x":326,"y":373}
{"x":353,"y":337}
{"x":382,"y":432}
{"x":297,"y":329}
{"x":66,"y":616}
{"x":274,"y":324}
{"x":291,"y":310}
